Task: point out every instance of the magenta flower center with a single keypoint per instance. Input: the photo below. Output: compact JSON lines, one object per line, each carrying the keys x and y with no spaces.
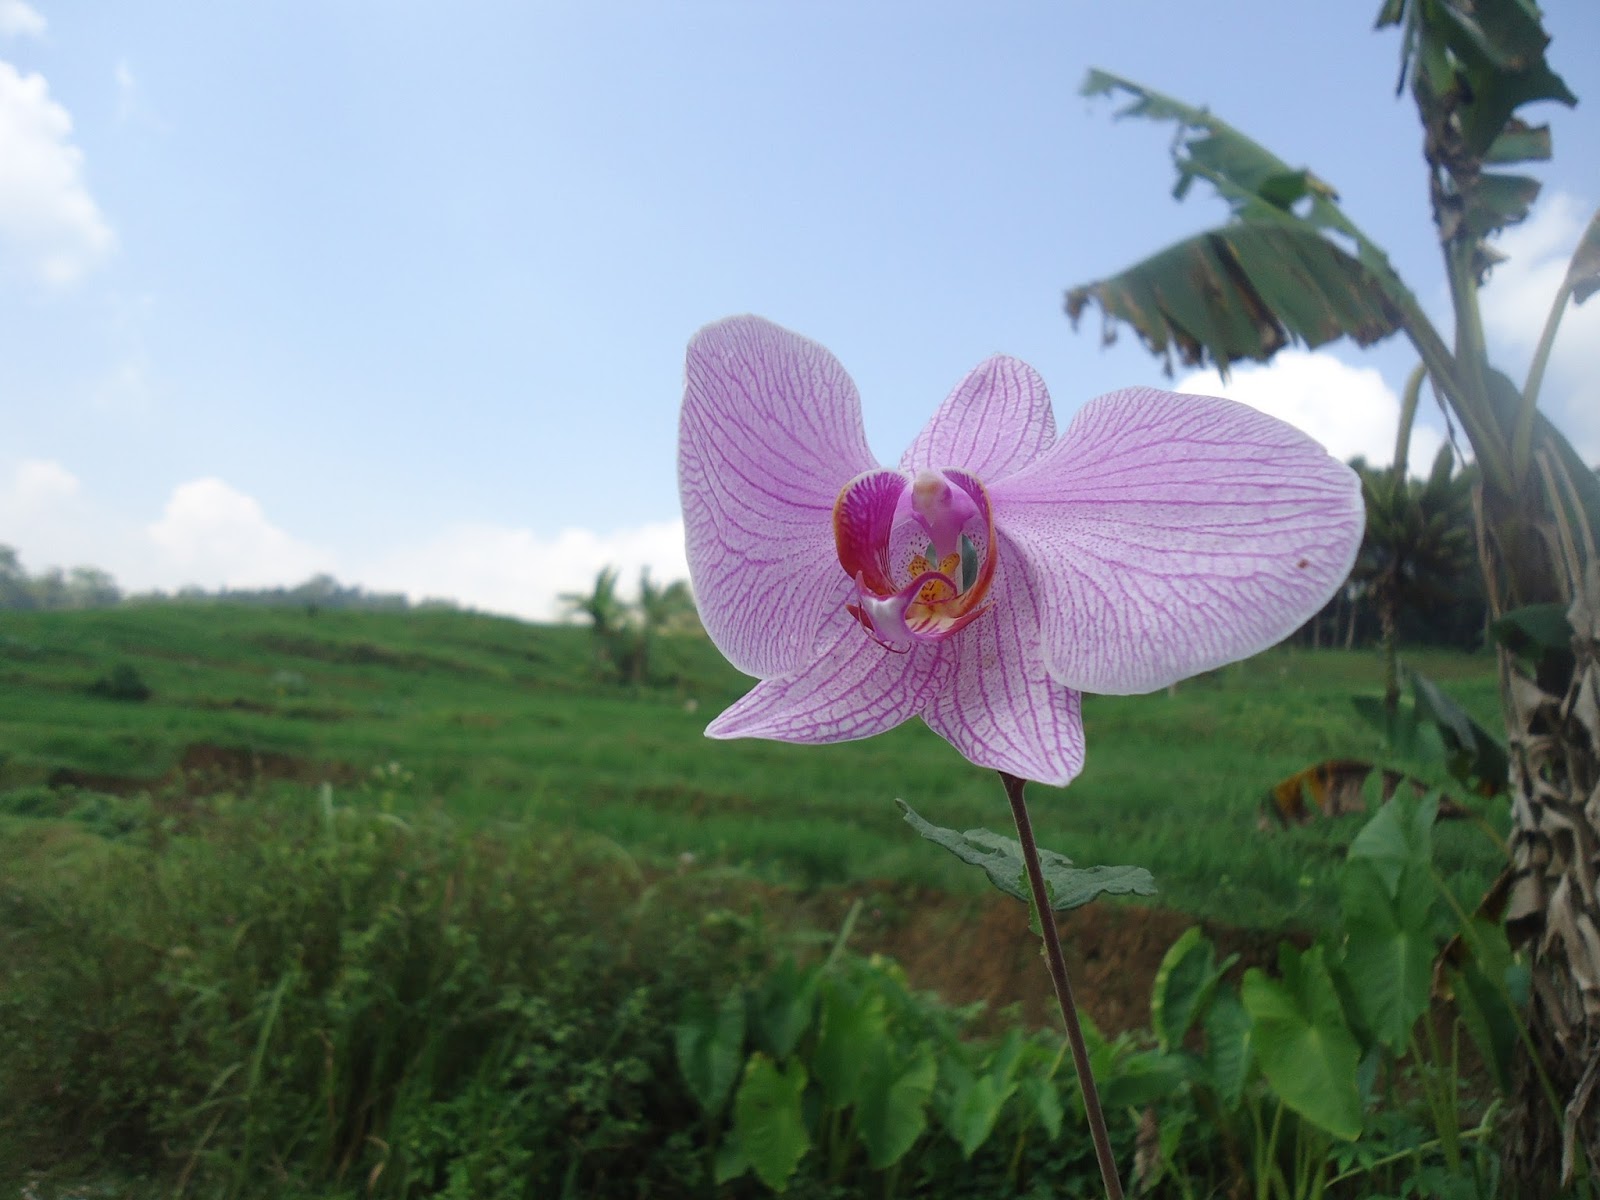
{"x":920,"y":549}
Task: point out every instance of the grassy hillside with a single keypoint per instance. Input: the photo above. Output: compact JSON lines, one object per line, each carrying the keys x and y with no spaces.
{"x":496,"y":720}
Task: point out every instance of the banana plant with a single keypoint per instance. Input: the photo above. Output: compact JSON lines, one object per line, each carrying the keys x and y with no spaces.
{"x":1289,"y":265}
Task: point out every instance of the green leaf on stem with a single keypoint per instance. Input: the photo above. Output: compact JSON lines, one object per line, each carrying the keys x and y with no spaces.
{"x":893,"y":1110}
{"x":709,"y":1041}
{"x":768,"y":1124}
{"x":1001,"y":859}
{"x":1303,"y":1043}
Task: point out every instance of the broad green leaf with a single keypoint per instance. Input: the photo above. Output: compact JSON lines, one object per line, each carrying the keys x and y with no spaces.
{"x":784,"y":1007}
{"x":1184,"y":984}
{"x":1301,"y":1040}
{"x":973,"y":1107}
{"x":1474,"y":755}
{"x":1044,"y":1101}
{"x":852,"y":1028}
{"x":1388,"y":953}
{"x":1399,"y":835}
{"x":1001,"y":859}
{"x":1500,"y":200}
{"x":1141,"y":1079}
{"x":1244,"y":291}
{"x":768,"y":1124}
{"x":893,"y":1109}
{"x":709,"y":1043}
{"x":1490,"y":1021}
{"x":1229,"y":1053}
{"x":1534,"y":631}
{"x":1520,"y":142}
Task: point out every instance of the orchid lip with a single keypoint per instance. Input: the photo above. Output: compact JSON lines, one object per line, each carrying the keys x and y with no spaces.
{"x":912,"y":546}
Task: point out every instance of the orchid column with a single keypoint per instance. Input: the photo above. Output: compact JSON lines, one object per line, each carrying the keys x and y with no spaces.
{"x":998,"y":570}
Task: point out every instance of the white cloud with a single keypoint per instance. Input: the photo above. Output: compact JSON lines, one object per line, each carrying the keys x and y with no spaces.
{"x":213,"y":535}
{"x":48,"y":219}
{"x":18,"y":20}
{"x":1350,"y":410}
{"x":509,"y":570}
{"x":38,"y":484}
{"x":1516,"y":301}
{"x":42,"y":512}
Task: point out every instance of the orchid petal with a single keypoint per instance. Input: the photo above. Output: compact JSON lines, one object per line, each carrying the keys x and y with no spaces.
{"x":1170,"y":534}
{"x":863,"y":516}
{"x":854,"y":689}
{"x":771,"y":430}
{"x":996,"y":421}
{"x":1002,"y":710}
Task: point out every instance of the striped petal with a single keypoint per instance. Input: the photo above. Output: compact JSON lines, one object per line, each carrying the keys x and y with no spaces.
{"x":1002,"y":708}
{"x":771,"y":430}
{"x":854,"y":689}
{"x":1169,"y":534}
{"x":996,"y":421}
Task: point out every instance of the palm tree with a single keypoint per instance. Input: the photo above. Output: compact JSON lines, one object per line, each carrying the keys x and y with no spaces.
{"x":605,"y":611}
{"x":1291,"y":265}
{"x":1418,"y":542}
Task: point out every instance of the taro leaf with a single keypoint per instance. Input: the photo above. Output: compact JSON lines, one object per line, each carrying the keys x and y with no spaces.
{"x":853,"y":1026}
{"x":893,"y":1110}
{"x":1541,"y":638}
{"x":1534,"y":630}
{"x":1400,"y":835}
{"x":784,"y":1007}
{"x":1229,"y":1052}
{"x":768,"y":1124}
{"x":1302,"y":1041}
{"x":1388,"y":954}
{"x":1185,"y":983}
{"x":1479,"y":984}
{"x":972,"y":1105}
{"x":1001,"y":859}
{"x":1044,"y":1101}
{"x":709,"y":1042}
{"x":1473,"y":754}
{"x":1142,"y":1079}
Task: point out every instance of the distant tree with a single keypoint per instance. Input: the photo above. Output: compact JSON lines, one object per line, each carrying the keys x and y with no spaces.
{"x":90,"y":587}
{"x":605,"y":611}
{"x":1418,"y":544}
{"x":15,"y":591}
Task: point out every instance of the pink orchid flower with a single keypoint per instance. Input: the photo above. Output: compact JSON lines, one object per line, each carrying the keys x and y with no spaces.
{"x":999,"y":570}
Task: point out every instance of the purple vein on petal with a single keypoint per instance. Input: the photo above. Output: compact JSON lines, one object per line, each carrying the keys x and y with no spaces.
{"x":996,"y":421}
{"x":771,"y":428}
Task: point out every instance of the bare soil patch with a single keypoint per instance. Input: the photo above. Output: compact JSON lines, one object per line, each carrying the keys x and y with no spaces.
{"x":969,"y":948}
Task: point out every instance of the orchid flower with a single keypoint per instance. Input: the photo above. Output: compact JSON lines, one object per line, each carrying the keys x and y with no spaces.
{"x":998,"y":570}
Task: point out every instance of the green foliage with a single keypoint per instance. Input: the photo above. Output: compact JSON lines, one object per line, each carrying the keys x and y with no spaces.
{"x":1000,"y":858}
{"x":1280,"y":1076}
{"x":292,"y":1000}
{"x":884,"y":1090}
{"x":1303,"y":1042}
{"x":123,"y":682}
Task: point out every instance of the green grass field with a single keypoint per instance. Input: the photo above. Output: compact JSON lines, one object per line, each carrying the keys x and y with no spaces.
{"x":494,"y":720}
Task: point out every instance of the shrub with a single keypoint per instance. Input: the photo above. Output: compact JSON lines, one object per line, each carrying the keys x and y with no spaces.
{"x":123,"y":682}
{"x":284,"y":1001}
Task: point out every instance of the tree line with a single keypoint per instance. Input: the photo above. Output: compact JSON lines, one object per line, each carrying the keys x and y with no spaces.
{"x":89,"y":587}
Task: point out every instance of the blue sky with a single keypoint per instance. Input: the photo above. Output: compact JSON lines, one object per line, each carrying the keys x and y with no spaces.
{"x":401,"y":291}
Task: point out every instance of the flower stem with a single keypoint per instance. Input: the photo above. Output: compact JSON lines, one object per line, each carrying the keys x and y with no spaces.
{"x":1058,"y":976}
